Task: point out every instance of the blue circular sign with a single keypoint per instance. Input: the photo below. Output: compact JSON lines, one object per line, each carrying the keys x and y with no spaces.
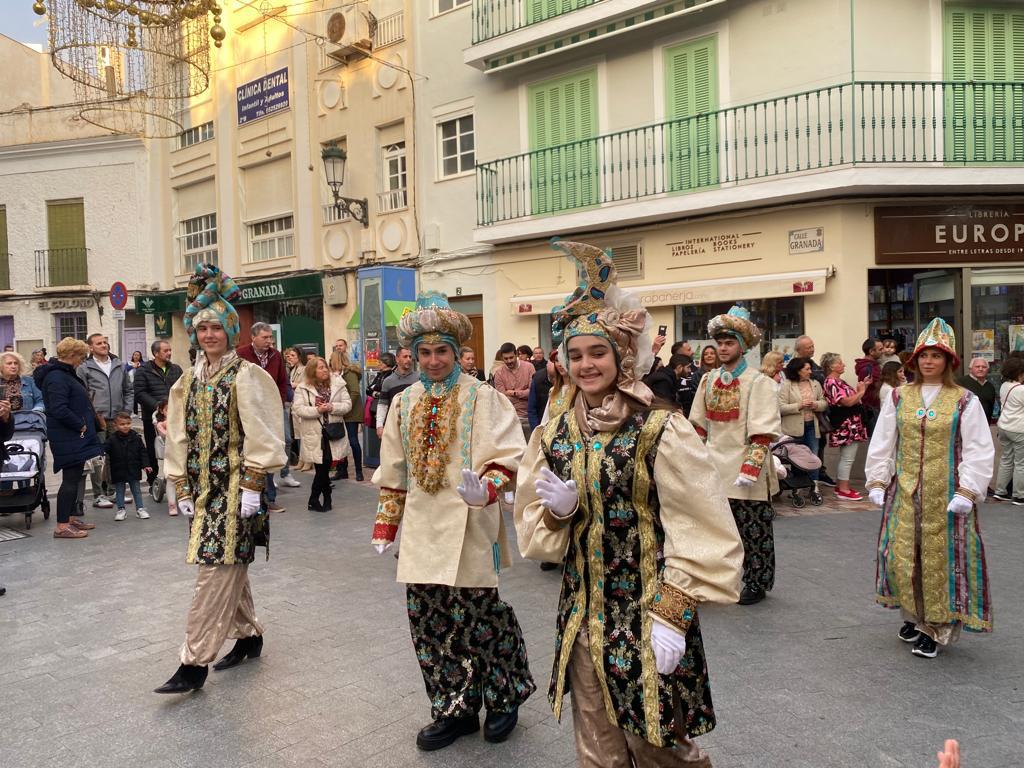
{"x":118,"y":295}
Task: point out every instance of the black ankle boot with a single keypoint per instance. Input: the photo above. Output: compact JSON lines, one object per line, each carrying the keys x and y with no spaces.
{"x":342,"y":470}
{"x":326,"y":506}
{"x":443,"y":732}
{"x":187,"y":678}
{"x":359,"y":472}
{"x":314,"y":503}
{"x":247,"y":647}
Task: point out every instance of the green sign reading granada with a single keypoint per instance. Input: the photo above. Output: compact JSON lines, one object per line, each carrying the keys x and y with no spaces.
{"x":280,"y":289}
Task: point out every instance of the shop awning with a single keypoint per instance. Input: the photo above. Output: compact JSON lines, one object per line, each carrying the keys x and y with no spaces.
{"x":394,"y":309}
{"x":353,"y":322}
{"x":771,"y":286}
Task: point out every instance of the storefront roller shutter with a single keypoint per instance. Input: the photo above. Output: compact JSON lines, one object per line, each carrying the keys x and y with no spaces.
{"x":268,"y":190}
{"x":563,"y":116}
{"x":984,"y":49}
{"x":691,"y":138}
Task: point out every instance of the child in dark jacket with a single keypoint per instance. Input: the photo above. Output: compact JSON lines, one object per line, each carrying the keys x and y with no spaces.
{"x":128,"y":459}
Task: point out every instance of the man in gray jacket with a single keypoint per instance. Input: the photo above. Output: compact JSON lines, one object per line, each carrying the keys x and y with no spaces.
{"x":111,"y":392}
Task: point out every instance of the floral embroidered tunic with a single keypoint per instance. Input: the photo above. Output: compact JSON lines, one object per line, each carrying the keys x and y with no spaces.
{"x":222,"y":436}
{"x":427,"y":442}
{"x":652,"y":537}
{"x":931,"y":442}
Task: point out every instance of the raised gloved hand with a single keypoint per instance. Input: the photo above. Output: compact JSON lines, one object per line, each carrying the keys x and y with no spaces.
{"x":558,"y":496}
{"x":250,"y":503}
{"x":669,"y":647}
{"x":472,"y":489}
{"x":744,"y":481}
{"x":877,"y":497}
{"x":959,"y":505}
{"x":380,"y":549}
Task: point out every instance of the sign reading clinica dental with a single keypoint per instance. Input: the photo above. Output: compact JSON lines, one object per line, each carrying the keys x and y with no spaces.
{"x":949,"y":234}
{"x":263,"y":97}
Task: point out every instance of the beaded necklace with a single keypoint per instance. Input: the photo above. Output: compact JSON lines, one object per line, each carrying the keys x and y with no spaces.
{"x":434,"y":422}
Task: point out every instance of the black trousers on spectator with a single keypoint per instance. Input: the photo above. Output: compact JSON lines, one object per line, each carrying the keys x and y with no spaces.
{"x":149,"y":435}
{"x":322,"y":474}
{"x":72,"y":480}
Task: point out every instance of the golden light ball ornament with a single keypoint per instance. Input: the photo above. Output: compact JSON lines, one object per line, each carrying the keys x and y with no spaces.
{"x":39,"y":8}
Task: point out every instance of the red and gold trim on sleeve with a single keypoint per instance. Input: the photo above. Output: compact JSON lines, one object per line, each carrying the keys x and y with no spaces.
{"x":390,"y":508}
{"x":968,"y":494}
{"x":496,"y":477}
{"x":253,"y":479}
{"x":674,"y":606}
{"x":181,"y":489}
{"x":757,"y":452}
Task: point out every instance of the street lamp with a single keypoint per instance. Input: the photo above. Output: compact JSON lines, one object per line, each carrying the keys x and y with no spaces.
{"x":334,"y":158}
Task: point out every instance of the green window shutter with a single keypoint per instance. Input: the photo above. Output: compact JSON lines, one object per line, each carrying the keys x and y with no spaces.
{"x":984,"y":49}
{"x":5,"y":265}
{"x":562,"y":121}
{"x":65,"y":226}
{"x":691,"y":100}
{"x":3,"y":229}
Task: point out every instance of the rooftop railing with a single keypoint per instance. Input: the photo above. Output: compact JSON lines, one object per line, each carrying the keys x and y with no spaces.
{"x":861,"y":123}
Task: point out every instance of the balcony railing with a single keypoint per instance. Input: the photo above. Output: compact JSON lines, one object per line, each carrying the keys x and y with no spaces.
{"x":893,"y":123}
{"x":5,"y":271}
{"x":62,"y":266}
{"x":390,"y":30}
{"x":334,"y":214}
{"x":393,"y":200}
{"x":496,"y":17}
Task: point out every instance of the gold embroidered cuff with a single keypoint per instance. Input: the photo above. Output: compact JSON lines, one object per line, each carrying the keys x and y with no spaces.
{"x":876,"y":484}
{"x":181,"y":489}
{"x":967,"y":494}
{"x":253,"y":479}
{"x":390,"y":508}
{"x":557,"y":522}
{"x":674,"y":606}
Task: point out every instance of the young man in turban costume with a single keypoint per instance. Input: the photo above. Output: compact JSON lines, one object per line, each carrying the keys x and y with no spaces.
{"x":736,"y":411}
{"x":451,"y":446}
{"x":624,"y":490}
{"x":929,"y":462}
{"x":224,"y":434}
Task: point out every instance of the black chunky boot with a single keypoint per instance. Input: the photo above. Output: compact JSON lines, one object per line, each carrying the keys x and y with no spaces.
{"x":359,"y":471}
{"x":247,"y":647}
{"x":187,"y":678}
{"x":326,"y":506}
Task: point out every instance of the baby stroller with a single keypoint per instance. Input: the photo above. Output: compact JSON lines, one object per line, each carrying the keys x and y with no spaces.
{"x":23,"y":475}
{"x":798,"y":461}
{"x":158,"y":487}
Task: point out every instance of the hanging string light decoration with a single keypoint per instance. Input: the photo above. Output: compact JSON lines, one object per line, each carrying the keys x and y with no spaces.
{"x":134,"y":63}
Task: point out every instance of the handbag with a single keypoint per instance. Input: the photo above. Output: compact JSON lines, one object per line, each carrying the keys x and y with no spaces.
{"x":335,"y":430}
{"x":824,"y":425}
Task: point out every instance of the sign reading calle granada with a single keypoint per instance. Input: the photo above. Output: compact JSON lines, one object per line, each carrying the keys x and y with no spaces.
{"x":297,"y":287}
{"x":953,"y":234}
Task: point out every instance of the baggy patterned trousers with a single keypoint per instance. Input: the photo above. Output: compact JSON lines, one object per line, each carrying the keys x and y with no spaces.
{"x":754,"y":520}
{"x":470,"y":649}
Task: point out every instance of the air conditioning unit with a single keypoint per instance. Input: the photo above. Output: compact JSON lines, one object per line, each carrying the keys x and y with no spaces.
{"x":350,"y":33}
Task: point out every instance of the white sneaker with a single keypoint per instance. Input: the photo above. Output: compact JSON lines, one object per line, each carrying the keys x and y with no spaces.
{"x":122,"y":513}
{"x":289,"y":482}
{"x":142,"y":514}
{"x":103,"y":503}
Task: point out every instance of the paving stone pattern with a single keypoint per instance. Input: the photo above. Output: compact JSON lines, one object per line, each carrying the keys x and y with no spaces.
{"x":814,"y":676}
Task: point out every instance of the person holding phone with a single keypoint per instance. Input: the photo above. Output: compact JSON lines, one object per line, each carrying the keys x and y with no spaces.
{"x":869,"y":369}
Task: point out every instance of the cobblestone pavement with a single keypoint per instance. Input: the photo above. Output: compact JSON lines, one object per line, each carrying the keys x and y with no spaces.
{"x":814,"y":676}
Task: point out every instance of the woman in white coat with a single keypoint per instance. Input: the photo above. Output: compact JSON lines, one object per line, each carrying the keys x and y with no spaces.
{"x":321,"y":401}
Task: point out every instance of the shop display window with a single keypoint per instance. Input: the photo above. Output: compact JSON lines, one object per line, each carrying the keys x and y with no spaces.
{"x":997,"y":315}
{"x":891,"y":305}
{"x":781,"y":320}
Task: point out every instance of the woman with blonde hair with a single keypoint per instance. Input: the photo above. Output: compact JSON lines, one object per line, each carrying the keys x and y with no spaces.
{"x":771,"y":366}
{"x":846,"y":415}
{"x":320,"y":404}
{"x":352,"y":375}
{"x":16,"y":387}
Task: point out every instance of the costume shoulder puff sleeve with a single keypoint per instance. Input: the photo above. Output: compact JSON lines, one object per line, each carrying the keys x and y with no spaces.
{"x":392,"y":476}
{"x":541,"y":534}
{"x":698,"y":411}
{"x":703,"y":551}
{"x":176,"y":442}
{"x":977,"y":452}
{"x":261,"y":414}
{"x":881,"y":460}
{"x":498,"y":445}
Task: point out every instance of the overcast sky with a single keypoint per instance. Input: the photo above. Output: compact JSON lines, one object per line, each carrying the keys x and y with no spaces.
{"x":17,"y":22}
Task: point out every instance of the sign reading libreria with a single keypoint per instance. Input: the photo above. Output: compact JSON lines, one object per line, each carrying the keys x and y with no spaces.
{"x":261,"y":98}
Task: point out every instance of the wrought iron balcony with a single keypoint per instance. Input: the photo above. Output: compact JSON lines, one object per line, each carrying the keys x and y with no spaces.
{"x":62,"y":266}
{"x":497,"y":17}
{"x":852,"y":124}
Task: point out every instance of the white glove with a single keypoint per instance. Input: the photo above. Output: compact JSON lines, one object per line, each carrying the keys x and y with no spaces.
{"x":472,"y":489}
{"x":187,"y":508}
{"x":250,"y":503}
{"x":959,"y":505}
{"x":669,"y":647}
{"x":877,"y":497}
{"x":744,"y":481}
{"x":382,"y":548}
{"x":560,"y":497}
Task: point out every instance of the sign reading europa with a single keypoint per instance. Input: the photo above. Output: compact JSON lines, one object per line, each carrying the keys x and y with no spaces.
{"x":262,"y":98}
{"x":954,"y":234}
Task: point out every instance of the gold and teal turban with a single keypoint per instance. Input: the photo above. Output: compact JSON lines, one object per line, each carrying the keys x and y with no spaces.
{"x":736,"y":323}
{"x":210,"y":293}
{"x":435,"y":322}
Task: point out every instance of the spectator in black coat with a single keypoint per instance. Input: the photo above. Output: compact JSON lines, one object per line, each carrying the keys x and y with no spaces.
{"x":71,"y":431}
{"x":978,"y":382}
{"x":665,"y":382}
{"x":537,"y":399}
{"x":153,"y":382}
{"x":127,"y":459}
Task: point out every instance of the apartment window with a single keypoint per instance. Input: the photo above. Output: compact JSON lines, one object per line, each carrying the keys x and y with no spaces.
{"x":5,"y":257}
{"x":393,"y":196}
{"x":271,"y":239}
{"x":69,"y":324}
{"x":448,"y":5}
{"x":195,"y":135}
{"x":458,"y":146}
{"x":65,"y":260}
{"x":198,"y":242}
